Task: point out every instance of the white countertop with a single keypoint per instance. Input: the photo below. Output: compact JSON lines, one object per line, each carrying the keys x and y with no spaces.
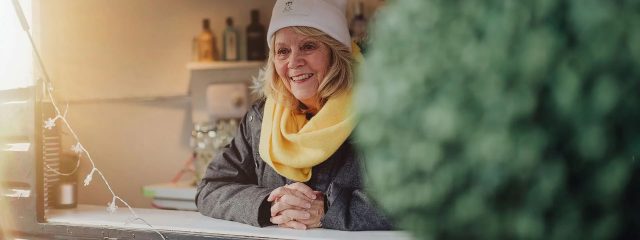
{"x":194,"y":222}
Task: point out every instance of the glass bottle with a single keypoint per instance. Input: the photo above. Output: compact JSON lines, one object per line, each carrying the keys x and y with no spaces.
{"x":256,"y":44}
{"x":206,"y":41}
{"x":230,"y":36}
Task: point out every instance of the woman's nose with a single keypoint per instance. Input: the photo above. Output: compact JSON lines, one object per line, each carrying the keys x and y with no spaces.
{"x":295,"y":60}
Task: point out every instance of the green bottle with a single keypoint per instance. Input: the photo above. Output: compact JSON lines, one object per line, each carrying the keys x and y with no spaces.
{"x":230,"y":38}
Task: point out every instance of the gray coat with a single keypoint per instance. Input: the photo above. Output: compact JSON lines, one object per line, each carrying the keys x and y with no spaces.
{"x":237,"y":183}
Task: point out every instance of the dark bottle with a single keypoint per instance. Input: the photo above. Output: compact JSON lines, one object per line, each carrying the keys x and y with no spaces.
{"x":230,"y":38}
{"x":256,"y":38}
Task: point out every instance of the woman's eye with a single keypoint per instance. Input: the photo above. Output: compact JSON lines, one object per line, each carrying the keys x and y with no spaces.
{"x":309,"y":46}
{"x":282,"y":51}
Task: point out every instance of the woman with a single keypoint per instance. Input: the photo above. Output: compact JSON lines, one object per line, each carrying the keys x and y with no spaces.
{"x":292,"y":163}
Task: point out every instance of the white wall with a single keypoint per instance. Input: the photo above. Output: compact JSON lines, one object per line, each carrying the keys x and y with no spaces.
{"x":107,"y":57}
{"x":122,"y":48}
{"x":104,"y":55}
{"x":134,"y":143}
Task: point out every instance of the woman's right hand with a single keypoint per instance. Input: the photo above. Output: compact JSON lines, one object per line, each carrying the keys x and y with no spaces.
{"x":290,"y":205}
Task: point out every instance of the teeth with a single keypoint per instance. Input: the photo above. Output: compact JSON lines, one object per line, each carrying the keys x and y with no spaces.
{"x":302,"y":77}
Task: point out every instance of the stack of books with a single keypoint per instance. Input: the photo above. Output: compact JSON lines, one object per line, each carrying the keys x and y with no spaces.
{"x":174,"y":196}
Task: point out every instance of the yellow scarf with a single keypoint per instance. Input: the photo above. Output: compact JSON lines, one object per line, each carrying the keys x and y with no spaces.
{"x":292,"y":145}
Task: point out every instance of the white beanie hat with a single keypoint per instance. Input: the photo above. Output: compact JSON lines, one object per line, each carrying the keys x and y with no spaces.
{"x":328,"y":16}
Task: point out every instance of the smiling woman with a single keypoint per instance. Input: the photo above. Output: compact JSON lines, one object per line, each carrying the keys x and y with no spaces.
{"x":292,"y":163}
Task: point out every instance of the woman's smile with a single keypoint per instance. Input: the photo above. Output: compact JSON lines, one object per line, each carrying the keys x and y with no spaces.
{"x":301,"y":77}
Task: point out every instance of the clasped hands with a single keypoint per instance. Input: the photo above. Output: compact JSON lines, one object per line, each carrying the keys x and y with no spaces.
{"x":296,"y":206}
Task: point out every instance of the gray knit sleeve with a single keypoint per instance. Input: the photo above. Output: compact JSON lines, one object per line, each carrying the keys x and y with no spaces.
{"x":348,"y":206}
{"x":229,"y":189}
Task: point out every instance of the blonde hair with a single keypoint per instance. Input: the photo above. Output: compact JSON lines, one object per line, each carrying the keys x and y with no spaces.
{"x":339,"y":77}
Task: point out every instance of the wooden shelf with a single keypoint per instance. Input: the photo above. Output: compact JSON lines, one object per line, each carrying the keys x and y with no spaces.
{"x":220,"y":65}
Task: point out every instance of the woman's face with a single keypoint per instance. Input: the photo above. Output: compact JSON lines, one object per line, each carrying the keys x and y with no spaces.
{"x":302,"y":63}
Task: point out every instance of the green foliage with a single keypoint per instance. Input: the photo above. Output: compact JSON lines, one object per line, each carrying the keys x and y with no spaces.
{"x":502,"y":119}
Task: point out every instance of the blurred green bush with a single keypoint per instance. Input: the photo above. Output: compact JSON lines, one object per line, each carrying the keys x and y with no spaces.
{"x":502,"y":119}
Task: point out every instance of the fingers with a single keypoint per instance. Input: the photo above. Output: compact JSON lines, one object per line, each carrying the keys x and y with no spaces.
{"x":290,"y":214}
{"x":296,"y":196}
{"x":296,"y":206}
{"x":282,"y":221}
{"x":302,"y":188}
{"x":289,"y":202}
{"x":281,"y":191}
{"x":296,"y":201}
{"x":294,"y":224}
{"x":276,"y":193}
{"x":311,"y":217}
{"x":316,"y":225}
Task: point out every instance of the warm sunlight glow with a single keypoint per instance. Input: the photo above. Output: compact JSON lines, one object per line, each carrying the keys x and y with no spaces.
{"x":16,"y":71}
{"x":17,"y":147}
{"x":16,"y":60}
